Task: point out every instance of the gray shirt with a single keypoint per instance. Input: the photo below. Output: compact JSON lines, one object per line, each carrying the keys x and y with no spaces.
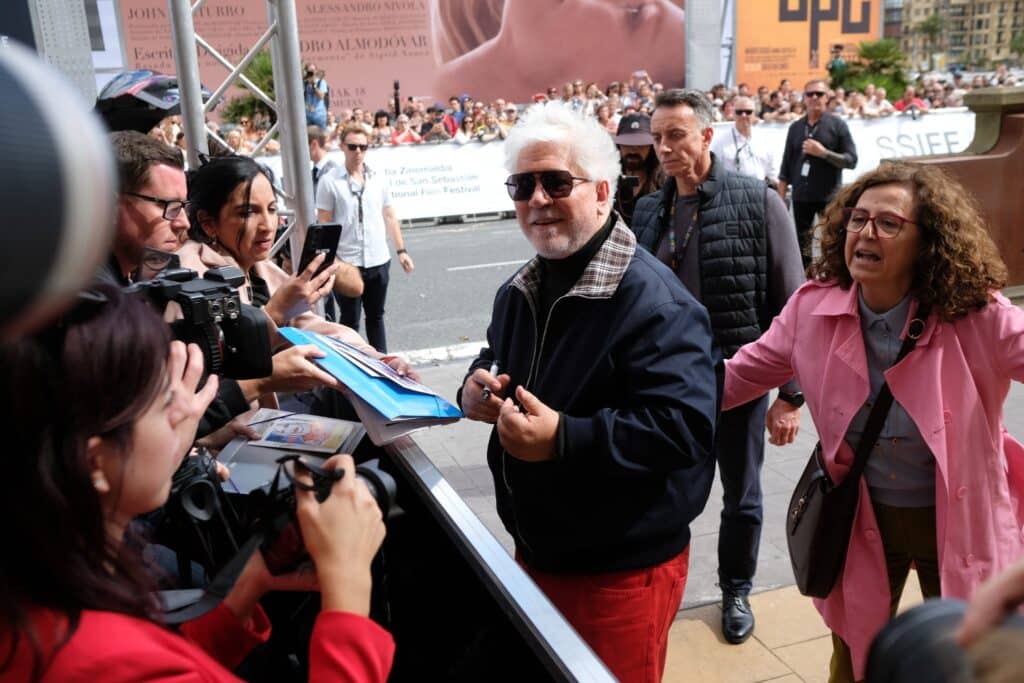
{"x":900,"y":470}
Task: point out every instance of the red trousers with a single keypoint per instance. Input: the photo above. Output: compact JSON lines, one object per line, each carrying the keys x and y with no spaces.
{"x":624,"y":616}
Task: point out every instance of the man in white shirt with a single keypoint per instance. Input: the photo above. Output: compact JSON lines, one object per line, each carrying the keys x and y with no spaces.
{"x":360,"y":200}
{"x":742,"y":151}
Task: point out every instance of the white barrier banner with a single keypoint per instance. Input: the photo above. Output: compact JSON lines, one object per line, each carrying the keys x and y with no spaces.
{"x":447,"y":179}
{"x":942,"y":132}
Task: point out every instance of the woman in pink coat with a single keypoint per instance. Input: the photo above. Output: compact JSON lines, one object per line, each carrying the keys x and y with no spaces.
{"x":942,"y":487}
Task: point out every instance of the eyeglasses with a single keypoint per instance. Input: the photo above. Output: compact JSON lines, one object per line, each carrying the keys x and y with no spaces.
{"x":360,"y":148}
{"x":815,"y":93}
{"x":556,"y":184}
{"x":743,"y":112}
{"x":172,"y":207}
{"x":887,"y":224}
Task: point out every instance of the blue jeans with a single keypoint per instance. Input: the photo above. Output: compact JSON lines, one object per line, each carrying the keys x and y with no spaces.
{"x":739,"y":450}
{"x":375,"y":290}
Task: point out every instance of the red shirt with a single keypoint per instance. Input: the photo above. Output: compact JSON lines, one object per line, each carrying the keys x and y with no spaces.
{"x":115,"y":648}
{"x":902,"y":105}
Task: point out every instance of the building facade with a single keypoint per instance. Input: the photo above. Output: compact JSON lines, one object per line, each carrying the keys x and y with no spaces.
{"x":974,"y":33}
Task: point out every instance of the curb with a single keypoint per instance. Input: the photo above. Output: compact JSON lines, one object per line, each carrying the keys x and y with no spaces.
{"x":441,"y":354}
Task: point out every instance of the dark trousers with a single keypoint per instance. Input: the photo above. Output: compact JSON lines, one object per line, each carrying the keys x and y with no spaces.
{"x":375,"y":290}
{"x":908,"y":538}
{"x":739,"y":450}
{"x":803,"y":216}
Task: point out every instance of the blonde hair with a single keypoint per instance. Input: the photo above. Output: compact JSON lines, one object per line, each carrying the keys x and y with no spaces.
{"x":458,"y":26}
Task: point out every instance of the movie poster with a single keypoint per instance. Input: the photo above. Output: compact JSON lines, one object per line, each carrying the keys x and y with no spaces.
{"x":434,"y":48}
{"x":794,"y":39}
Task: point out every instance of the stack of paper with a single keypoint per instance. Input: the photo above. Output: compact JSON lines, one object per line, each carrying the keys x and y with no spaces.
{"x":388,"y":404}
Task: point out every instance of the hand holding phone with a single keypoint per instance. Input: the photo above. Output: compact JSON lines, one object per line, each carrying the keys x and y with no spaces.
{"x":321,"y":238}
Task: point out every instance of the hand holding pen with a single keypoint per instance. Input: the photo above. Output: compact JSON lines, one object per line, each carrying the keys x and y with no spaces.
{"x":483,"y":393}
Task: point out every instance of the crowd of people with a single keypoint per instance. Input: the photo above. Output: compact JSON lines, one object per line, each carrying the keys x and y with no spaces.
{"x":606,"y":429}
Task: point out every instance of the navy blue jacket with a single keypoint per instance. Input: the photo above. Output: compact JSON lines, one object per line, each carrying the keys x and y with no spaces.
{"x":626,"y":357}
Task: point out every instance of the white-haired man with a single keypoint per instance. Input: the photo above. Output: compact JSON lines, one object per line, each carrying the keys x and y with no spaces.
{"x":599,"y":378}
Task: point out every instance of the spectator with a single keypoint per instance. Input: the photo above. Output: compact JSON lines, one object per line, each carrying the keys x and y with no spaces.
{"x":510,"y":118}
{"x":465,"y":132}
{"x":878,"y":105}
{"x":404,"y":135}
{"x":910,"y":102}
{"x":315,"y":90}
{"x":604,"y":117}
{"x":638,"y":160}
{"x":435,"y":129}
{"x":489,"y":129}
{"x":382,"y":130}
{"x":741,"y":150}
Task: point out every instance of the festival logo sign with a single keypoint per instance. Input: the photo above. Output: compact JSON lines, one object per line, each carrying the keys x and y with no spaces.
{"x":794,"y":39}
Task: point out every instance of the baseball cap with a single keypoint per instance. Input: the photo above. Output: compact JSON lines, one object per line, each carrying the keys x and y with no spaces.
{"x":635,"y":130}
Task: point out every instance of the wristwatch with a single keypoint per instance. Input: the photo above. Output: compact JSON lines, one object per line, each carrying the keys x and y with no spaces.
{"x":796,"y":399}
{"x":401,"y":251}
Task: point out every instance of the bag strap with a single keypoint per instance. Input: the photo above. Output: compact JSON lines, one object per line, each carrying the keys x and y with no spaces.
{"x":879,"y":411}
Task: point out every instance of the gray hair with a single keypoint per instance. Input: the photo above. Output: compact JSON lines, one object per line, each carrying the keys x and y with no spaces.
{"x":590,"y":146}
{"x":694,"y":99}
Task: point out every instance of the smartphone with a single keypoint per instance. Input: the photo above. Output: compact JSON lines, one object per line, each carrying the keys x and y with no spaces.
{"x":321,"y":238}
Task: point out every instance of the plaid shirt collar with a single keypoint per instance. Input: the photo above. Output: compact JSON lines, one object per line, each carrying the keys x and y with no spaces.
{"x":602,"y":275}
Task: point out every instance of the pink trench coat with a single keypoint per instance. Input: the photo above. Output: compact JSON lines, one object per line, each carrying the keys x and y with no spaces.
{"x":953,"y":386}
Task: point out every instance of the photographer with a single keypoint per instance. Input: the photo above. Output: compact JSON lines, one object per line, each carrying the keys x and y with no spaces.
{"x":233,"y":212}
{"x":315,"y":90}
{"x":77,"y":602}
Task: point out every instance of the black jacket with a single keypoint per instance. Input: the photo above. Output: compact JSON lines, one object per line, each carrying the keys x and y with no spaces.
{"x":626,"y":357}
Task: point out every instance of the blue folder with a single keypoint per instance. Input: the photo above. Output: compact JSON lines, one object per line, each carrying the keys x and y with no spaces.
{"x":394,"y":402}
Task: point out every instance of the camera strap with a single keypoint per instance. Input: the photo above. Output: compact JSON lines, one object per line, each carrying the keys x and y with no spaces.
{"x":185,"y":605}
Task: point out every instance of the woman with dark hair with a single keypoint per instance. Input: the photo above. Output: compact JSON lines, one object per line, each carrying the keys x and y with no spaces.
{"x":382,"y":130}
{"x":103,"y":416}
{"x":233,"y":214}
{"x":944,"y":482}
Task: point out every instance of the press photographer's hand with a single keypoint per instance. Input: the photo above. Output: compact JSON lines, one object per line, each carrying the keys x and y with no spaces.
{"x":185,"y":369}
{"x":342,"y":535}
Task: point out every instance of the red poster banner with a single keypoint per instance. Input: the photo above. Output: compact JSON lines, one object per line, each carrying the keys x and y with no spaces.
{"x":434,"y":48}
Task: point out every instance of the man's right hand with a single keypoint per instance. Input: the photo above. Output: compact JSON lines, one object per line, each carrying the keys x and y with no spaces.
{"x":481,"y":406}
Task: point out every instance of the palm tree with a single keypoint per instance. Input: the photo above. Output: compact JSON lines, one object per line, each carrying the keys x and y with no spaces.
{"x":261,"y":72}
{"x":881,"y":62}
{"x":1017,"y":45}
{"x":931,"y":29}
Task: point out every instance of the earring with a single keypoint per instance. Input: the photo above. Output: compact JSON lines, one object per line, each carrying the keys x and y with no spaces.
{"x":99,"y":482}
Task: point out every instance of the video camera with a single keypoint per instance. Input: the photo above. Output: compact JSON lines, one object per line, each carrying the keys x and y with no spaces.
{"x":234,"y":337}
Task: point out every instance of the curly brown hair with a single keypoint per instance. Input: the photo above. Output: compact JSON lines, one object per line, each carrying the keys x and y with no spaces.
{"x":959,"y":264}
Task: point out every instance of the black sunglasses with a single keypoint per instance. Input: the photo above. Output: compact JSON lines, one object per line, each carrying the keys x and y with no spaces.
{"x":815,"y":93}
{"x":172,"y":207}
{"x":743,"y":112}
{"x":361,"y":148}
{"x":556,"y":184}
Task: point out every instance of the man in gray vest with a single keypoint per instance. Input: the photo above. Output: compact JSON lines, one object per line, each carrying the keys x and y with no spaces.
{"x":731,"y":241}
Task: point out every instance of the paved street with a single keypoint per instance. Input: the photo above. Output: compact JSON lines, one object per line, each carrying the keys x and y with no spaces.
{"x":447,"y":300}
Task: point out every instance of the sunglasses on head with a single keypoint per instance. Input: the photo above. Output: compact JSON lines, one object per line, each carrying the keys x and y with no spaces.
{"x":353,"y":148}
{"x":556,"y":184}
{"x":815,"y":93}
{"x":743,"y":112}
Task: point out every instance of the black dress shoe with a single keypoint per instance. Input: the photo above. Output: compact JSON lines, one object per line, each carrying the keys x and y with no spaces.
{"x":737,"y":619}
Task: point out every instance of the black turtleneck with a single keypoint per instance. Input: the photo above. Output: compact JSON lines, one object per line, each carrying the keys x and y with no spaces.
{"x":557,"y":276}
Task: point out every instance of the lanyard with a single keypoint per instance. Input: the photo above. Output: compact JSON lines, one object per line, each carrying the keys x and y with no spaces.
{"x":676,"y":254}
{"x":740,"y":149}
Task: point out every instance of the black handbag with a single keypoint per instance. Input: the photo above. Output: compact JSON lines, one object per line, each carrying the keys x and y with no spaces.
{"x":820,"y":515}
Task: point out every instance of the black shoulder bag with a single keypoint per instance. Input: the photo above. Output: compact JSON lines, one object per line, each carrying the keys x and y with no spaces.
{"x":820,"y":516}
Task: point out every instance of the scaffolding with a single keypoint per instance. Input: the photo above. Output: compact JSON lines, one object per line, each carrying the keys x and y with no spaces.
{"x":282,"y":37}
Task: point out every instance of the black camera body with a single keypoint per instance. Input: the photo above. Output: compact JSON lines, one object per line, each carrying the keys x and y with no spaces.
{"x":233,"y":336}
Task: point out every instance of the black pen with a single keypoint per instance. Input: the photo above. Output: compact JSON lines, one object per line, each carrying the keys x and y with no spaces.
{"x":486,"y":394}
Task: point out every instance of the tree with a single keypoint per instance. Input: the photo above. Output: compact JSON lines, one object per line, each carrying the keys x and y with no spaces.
{"x":261,"y":72}
{"x":1017,"y":45}
{"x":881,"y":62}
{"x":931,"y":29}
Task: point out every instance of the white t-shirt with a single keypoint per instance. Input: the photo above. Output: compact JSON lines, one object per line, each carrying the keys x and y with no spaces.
{"x":747,"y":156}
{"x":363,"y":243}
